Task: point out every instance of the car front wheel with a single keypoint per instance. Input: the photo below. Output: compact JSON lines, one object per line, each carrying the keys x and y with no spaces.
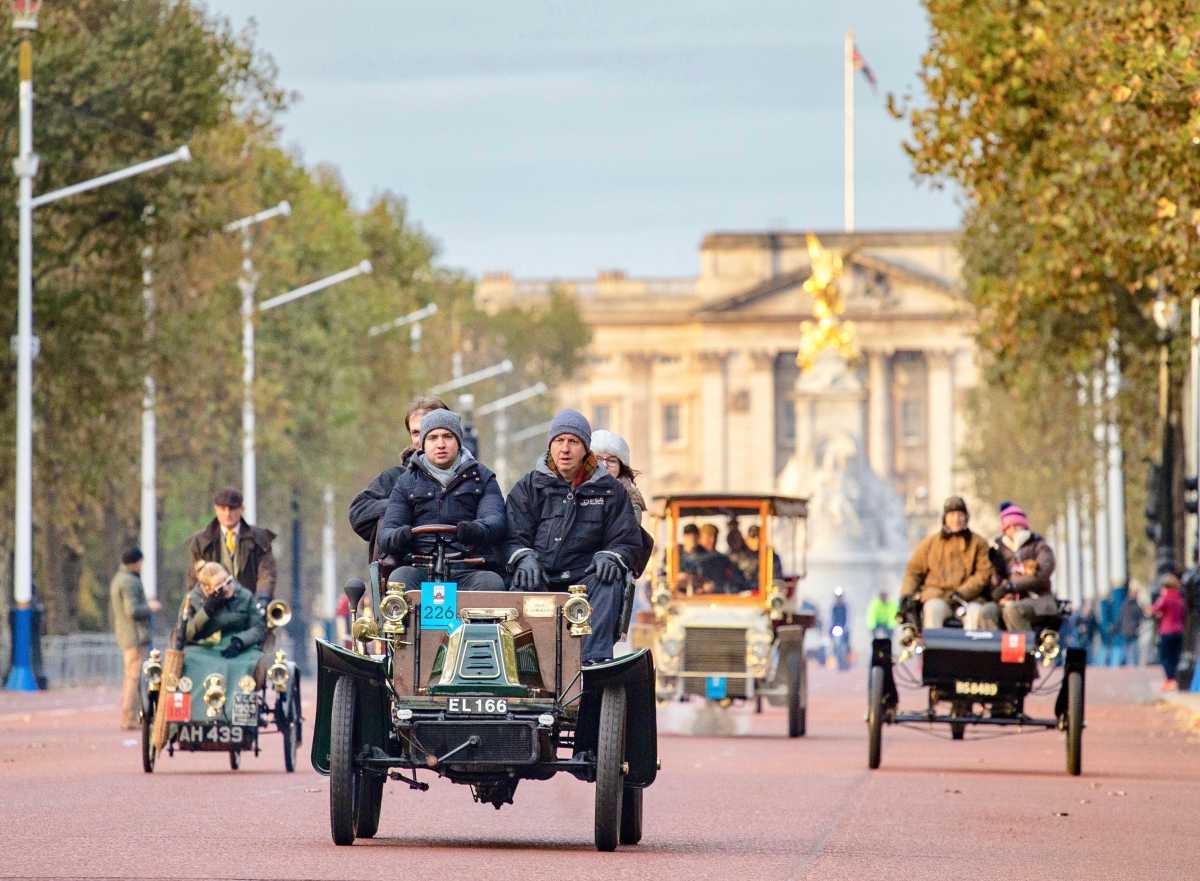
{"x":610,"y":759}
{"x":343,"y":778}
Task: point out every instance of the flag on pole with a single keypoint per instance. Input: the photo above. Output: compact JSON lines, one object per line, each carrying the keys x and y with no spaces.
{"x":860,"y":63}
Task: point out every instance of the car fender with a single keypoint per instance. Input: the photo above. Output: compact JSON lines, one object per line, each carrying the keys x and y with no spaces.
{"x":370,"y":675}
{"x":636,"y":672}
{"x":790,"y":638}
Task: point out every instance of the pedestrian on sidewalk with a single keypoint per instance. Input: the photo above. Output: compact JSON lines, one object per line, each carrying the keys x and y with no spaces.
{"x":1170,"y":611}
{"x":1129,"y":627}
{"x":130,"y":615}
{"x":1107,"y":624}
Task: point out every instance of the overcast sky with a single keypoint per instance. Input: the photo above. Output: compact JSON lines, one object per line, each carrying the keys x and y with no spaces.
{"x":561,"y":138}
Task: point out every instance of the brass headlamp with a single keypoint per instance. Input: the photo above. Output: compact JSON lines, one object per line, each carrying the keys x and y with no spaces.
{"x":394,"y":609}
{"x":152,"y":670}
{"x":278,"y":613}
{"x":910,"y":642}
{"x":214,"y":693}
{"x":775,"y":603}
{"x":577,"y":610}
{"x":1048,"y":647}
{"x":277,"y":673}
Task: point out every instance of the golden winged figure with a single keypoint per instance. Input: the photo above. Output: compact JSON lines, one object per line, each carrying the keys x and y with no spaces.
{"x":827,"y":331}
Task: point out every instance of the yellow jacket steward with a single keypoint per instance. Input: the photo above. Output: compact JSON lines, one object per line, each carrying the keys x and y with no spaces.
{"x":944,"y":563}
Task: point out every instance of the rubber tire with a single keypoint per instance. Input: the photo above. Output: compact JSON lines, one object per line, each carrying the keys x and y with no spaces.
{"x":299,"y":712}
{"x":370,"y":802}
{"x":289,"y":740}
{"x":235,"y":759}
{"x":149,"y":754}
{"x":1075,"y":723}
{"x":610,"y":755}
{"x":797,"y":695}
{"x":343,"y":779}
{"x":631,"y":815}
{"x":875,"y":718}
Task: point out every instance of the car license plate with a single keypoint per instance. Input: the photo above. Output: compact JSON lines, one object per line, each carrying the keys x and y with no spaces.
{"x":981,"y":689}
{"x":202,"y":734}
{"x":477,"y":706}
{"x":244,"y":710}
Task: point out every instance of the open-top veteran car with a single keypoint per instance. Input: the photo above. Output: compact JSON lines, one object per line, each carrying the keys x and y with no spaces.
{"x":199,"y":698}
{"x":481,"y":688}
{"x":978,"y":677}
{"x":728,"y":628}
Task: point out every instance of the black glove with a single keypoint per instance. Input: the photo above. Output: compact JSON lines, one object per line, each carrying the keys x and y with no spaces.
{"x":471,"y":533}
{"x":233,"y":649}
{"x":398,"y":539}
{"x":608,"y":570}
{"x":528,"y":574}
{"x":215,"y":602}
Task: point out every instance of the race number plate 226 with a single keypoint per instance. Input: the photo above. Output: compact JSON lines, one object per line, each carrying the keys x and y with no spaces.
{"x":439,"y":605}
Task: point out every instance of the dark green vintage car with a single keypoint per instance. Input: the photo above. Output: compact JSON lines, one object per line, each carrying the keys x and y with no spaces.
{"x":197,"y":700}
{"x":492,"y":697}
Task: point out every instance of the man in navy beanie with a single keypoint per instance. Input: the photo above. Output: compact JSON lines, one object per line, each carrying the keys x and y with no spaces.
{"x":571,"y":522}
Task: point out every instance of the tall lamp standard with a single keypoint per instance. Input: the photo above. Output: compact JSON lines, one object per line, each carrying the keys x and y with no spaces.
{"x":1166,"y":319}
{"x":21,"y":675}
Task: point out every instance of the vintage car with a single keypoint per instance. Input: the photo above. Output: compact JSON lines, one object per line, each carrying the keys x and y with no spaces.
{"x":978,"y":677}
{"x":481,"y":688}
{"x":739,"y":639}
{"x":195,"y":699}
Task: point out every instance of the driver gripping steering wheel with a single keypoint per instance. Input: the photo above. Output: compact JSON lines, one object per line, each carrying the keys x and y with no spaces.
{"x":950,"y":567}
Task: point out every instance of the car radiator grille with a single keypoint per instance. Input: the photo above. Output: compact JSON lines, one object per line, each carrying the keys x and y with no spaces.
{"x":714,"y":650}
{"x":499,"y":742}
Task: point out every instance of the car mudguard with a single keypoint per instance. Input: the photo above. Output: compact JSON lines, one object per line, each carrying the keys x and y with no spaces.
{"x":636,"y":672}
{"x":372,"y":711}
{"x":1075,"y":662}
{"x":881,"y":656}
{"x":790,"y":638}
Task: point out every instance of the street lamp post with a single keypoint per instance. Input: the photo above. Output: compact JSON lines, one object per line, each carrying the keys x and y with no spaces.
{"x":21,"y":675}
{"x":1166,"y":318}
{"x":500,"y":407}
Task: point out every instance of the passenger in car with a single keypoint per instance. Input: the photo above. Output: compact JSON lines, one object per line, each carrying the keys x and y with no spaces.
{"x":444,"y":484}
{"x":571,"y":522}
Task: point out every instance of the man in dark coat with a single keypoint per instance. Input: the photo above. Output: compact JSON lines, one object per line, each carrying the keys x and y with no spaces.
{"x":444,"y":483}
{"x":571,"y":522}
{"x":244,"y":550}
{"x":369,"y":506}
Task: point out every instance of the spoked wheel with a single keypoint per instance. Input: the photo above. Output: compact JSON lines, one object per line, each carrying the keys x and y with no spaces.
{"x":875,"y":718}
{"x":631,"y":815}
{"x":1075,"y":723}
{"x":797,"y":683}
{"x":299,"y":714}
{"x":610,"y":757}
{"x":370,"y":801}
{"x":149,"y":753}
{"x":343,"y":778}
{"x":235,"y":759}
{"x":286,"y":721}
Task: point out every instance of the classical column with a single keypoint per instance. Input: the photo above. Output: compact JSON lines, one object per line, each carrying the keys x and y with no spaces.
{"x":879,"y":411}
{"x":714,"y":418}
{"x":940,"y":401}
{"x":762,"y":421}
{"x":639,"y":374}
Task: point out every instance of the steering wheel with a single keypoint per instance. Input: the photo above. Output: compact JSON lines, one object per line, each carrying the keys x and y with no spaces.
{"x":441,"y":558}
{"x":435,"y":529}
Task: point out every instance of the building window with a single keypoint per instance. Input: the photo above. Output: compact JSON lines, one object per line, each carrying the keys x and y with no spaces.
{"x":602,"y":416}
{"x":672,"y":424}
{"x":912,"y":422}
{"x":787,"y":423}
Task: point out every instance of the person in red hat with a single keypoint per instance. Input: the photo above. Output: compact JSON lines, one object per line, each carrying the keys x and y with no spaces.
{"x":1022,"y":582}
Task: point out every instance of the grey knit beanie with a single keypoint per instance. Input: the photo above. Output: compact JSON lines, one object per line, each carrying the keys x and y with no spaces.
{"x":446,"y":419}
{"x":565,"y":422}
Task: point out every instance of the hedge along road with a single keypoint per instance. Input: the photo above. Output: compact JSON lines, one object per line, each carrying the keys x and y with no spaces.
{"x":752,"y":805}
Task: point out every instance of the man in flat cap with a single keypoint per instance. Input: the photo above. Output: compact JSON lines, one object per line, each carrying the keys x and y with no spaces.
{"x":244,"y":550}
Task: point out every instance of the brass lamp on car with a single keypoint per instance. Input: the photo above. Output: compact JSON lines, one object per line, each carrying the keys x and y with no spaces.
{"x":910,"y":642}
{"x":152,"y":670}
{"x":214,"y":693}
{"x":277,"y":673}
{"x":775,"y":602}
{"x":1048,"y":647}
{"x":364,"y":628}
{"x":578,"y":611}
{"x":394,"y":609}
{"x":278,"y":613}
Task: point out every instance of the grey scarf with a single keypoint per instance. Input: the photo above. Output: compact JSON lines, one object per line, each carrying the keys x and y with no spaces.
{"x":445,"y":475}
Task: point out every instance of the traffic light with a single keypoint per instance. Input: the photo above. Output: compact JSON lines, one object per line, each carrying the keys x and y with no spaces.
{"x":1191,"y":495}
{"x":1154,"y":503}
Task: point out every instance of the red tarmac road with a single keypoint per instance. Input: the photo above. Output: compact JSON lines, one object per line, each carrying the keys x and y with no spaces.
{"x":74,"y":803}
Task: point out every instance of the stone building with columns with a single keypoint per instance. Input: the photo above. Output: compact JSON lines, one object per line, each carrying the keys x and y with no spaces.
{"x":699,"y":374}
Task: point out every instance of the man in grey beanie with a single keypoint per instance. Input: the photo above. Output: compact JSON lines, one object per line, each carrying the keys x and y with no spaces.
{"x":570,"y":522}
{"x":445,"y":484}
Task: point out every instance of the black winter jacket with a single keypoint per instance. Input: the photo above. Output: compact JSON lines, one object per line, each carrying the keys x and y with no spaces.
{"x":566,"y":527}
{"x":418,"y":499}
{"x":368,"y":507}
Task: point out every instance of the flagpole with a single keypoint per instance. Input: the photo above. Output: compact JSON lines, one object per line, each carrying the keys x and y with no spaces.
{"x":848,"y":134}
